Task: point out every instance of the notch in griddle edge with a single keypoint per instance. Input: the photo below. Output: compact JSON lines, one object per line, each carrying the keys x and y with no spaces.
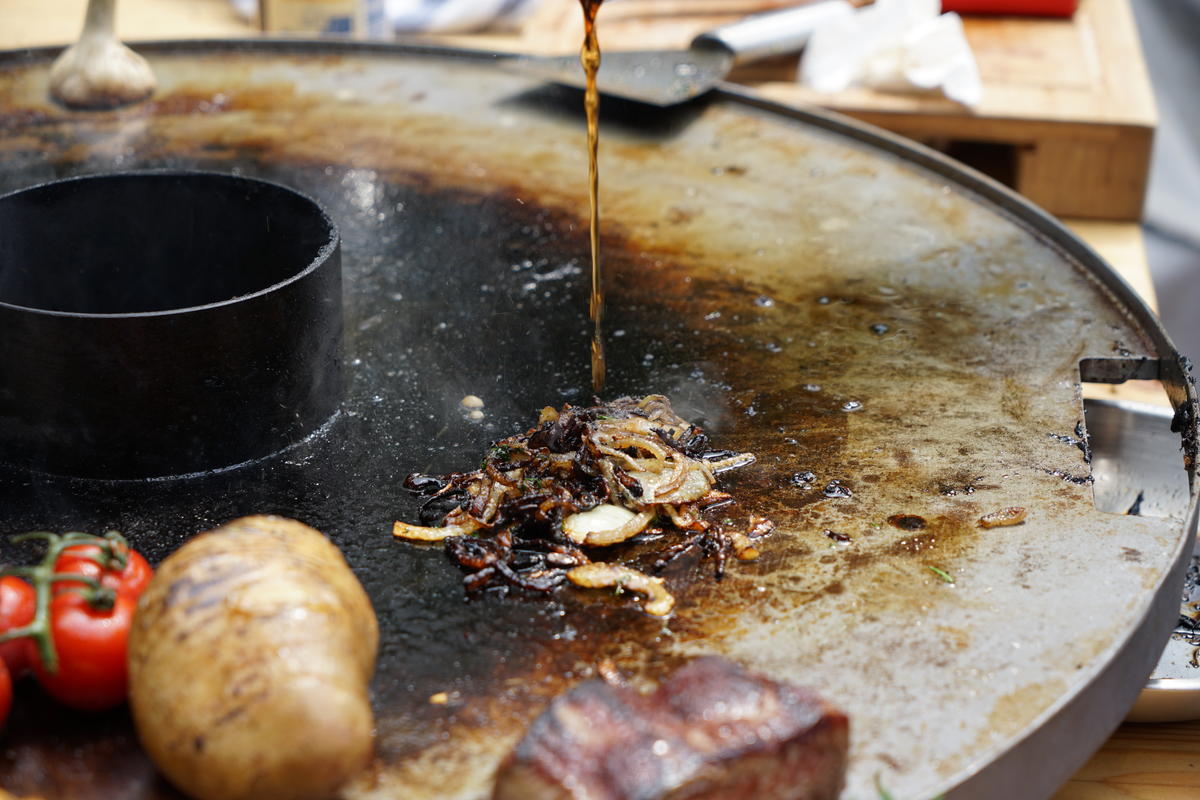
{"x":1137,"y":454}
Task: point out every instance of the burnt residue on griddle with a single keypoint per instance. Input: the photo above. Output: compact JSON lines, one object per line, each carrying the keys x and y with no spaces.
{"x":942,"y":537}
{"x":23,"y":119}
{"x":907,"y":522}
{"x":1184,"y":419}
{"x":1079,"y":440}
{"x":1083,"y":441}
{"x":67,"y":754}
{"x":1078,"y":480}
{"x":1121,"y":349}
{"x":962,"y":483}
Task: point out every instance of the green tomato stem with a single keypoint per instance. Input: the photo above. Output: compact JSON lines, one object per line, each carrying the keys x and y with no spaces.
{"x":43,"y":577}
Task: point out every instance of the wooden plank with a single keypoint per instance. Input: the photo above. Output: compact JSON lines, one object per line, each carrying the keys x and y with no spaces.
{"x":33,"y":23}
{"x":1122,"y":245}
{"x":1141,"y":762}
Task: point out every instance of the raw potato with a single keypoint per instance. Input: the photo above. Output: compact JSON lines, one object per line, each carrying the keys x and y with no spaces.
{"x":249,"y":662}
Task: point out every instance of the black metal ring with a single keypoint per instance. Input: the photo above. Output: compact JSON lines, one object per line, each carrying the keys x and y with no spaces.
{"x":164,"y":323}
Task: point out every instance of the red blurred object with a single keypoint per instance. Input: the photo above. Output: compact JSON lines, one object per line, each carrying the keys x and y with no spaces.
{"x":1040,"y":8}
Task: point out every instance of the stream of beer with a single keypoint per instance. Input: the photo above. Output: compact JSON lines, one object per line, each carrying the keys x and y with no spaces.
{"x":590,"y":58}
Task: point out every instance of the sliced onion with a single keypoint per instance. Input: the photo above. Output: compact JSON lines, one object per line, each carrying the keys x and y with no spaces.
{"x":733,"y":462}
{"x":419,"y":533}
{"x":1005,"y":516}
{"x":656,"y":487}
{"x":743,"y":550}
{"x":605,"y":524}
{"x":599,"y":575}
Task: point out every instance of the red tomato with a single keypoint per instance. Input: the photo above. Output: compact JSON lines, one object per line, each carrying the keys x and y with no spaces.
{"x":80,"y":559}
{"x":1044,"y":8}
{"x":18,"y":602}
{"x":91,"y":644}
{"x":5,"y":693}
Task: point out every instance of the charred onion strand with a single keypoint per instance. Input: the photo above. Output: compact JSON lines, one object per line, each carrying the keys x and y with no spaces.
{"x":419,"y":533}
{"x":1013,"y":515}
{"x":584,"y":478}
{"x":599,"y":575}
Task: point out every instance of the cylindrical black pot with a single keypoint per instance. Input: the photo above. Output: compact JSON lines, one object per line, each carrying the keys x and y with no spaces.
{"x":164,"y":323}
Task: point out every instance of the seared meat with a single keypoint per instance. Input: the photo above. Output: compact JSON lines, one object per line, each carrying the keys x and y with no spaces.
{"x":711,"y":731}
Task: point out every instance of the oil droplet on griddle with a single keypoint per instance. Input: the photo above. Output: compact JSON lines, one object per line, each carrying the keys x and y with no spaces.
{"x":803,"y":478}
{"x":835,"y":489}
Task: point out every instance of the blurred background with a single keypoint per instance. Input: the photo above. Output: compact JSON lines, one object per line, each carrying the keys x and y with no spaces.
{"x":1170,"y":32}
{"x":1089,"y":106}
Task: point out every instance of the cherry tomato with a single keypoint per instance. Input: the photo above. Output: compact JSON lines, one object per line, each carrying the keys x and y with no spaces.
{"x":80,"y":559}
{"x":5,"y":693}
{"x":18,"y":602}
{"x":91,"y":644}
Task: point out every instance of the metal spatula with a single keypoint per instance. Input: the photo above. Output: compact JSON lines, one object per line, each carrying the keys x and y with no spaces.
{"x":665,"y":78}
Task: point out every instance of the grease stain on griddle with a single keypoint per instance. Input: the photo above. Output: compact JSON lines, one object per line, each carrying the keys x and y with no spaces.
{"x":907,"y":522}
{"x":1078,"y":480}
{"x":944,"y":536}
{"x":962,"y":483}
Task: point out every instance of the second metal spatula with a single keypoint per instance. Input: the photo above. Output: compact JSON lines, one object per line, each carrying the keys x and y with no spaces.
{"x":668,"y":77}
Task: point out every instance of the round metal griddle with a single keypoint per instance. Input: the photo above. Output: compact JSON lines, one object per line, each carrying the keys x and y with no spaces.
{"x":832,"y":298}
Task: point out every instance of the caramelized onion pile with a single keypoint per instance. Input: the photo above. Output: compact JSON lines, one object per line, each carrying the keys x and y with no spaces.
{"x":533,"y":515}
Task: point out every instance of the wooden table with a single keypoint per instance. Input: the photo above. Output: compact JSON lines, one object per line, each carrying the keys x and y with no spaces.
{"x":1145,"y":762}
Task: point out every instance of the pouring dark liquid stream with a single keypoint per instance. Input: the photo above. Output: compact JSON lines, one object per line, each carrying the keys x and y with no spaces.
{"x":589,"y":56}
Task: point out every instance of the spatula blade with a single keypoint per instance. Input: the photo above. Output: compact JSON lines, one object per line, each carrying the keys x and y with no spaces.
{"x":657,"y":77}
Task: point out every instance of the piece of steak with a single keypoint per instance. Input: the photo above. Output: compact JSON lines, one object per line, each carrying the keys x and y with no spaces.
{"x":711,"y":730}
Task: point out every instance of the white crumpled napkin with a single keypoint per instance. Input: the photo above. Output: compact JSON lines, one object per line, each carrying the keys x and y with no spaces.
{"x":897,"y":45}
{"x":438,"y":16}
{"x":455,"y":16}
